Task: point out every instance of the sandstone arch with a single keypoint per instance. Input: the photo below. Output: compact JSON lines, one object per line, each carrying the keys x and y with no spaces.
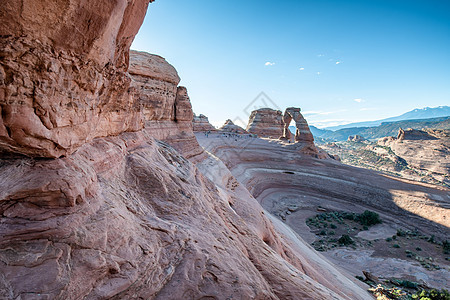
{"x":302,"y":133}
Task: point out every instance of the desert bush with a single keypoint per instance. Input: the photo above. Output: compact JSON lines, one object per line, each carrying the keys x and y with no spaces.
{"x":345,"y":240}
{"x":432,"y":295}
{"x":446,"y":247}
{"x":368,"y":218}
{"x":396,"y":246}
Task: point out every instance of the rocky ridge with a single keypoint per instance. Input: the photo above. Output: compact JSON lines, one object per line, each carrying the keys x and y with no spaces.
{"x":111,"y":212}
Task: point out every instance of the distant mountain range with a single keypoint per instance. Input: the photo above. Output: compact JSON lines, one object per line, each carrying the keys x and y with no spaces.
{"x":376,"y":132}
{"x":416,"y":114}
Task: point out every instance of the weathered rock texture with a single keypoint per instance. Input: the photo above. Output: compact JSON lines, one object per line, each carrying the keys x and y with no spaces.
{"x":128,"y":217}
{"x":303,"y":133}
{"x":266,"y":122}
{"x":425,"y":152}
{"x":124,"y":216}
{"x":166,"y":106}
{"x":229,"y":126}
{"x":63,"y":77}
{"x":201,"y":123}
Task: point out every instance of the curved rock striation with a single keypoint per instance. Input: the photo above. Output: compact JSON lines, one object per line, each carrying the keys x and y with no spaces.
{"x":266,"y":122}
{"x":63,"y":77}
{"x":114,"y":213}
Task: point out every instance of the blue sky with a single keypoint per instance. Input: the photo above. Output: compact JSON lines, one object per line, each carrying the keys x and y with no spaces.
{"x":339,"y":61}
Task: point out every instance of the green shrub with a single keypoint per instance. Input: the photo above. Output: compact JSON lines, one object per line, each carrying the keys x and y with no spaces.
{"x":388,"y":239}
{"x":396,"y":246}
{"x":400,"y":232}
{"x":345,"y":240}
{"x":432,"y":295}
{"x":446,"y":247}
{"x":332,"y":226}
{"x":369,"y":218}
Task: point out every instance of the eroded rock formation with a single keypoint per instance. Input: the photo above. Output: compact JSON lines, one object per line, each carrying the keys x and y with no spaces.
{"x":355,"y":138}
{"x":124,"y":216}
{"x":166,"y":106}
{"x":201,"y":123}
{"x":63,"y":77}
{"x":303,"y":133}
{"x":229,"y":126}
{"x":266,"y":122}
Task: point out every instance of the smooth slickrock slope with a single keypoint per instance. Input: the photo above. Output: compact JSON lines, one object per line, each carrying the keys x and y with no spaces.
{"x":266,"y":122}
{"x":102,"y":210}
{"x":292,"y":186}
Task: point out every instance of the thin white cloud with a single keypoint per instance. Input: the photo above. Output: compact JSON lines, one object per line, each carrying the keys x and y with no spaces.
{"x":367,"y":108}
{"x":301,"y":69}
{"x":269,"y":63}
{"x":318,"y":73}
{"x":320,"y":55}
{"x":338,"y":62}
{"x":359,"y":100}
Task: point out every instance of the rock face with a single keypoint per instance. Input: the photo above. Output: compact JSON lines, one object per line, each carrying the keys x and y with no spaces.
{"x":266,"y":122}
{"x":166,"y":106}
{"x":63,"y":77}
{"x":229,"y":126}
{"x":425,"y":152}
{"x":201,"y":123}
{"x":124,"y":216}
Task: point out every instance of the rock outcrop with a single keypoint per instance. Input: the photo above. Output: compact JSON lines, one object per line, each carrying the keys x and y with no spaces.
{"x":425,"y":152}
{"x":63,"y":77}
{"x":414,"y":134}
{"x":303,"y":133}
{"x":229,"y":126}
{"x":113,"y":213}
{"x":201,"y":123}
{"x":166,"y":106}
{"x":355,"y":138}
{"x":266,"y":122}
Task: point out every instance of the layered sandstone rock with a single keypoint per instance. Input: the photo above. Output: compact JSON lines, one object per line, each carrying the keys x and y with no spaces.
{"x":229,"y":126}
{"x":166,"y":106}
{"x":201,"y":123}
{"x":124,"y":216}
{"x":414,"y":134}
{"x":266,"y":122}
{"x":63,"y":77}
{"x":303,"y":133}
{"x":426,"y":151}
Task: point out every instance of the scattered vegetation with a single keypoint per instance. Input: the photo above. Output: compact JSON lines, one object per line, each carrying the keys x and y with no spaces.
{"x":345,"y":240}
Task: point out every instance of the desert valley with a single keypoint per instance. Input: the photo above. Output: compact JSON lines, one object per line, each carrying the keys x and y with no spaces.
{"x":112,"y":188}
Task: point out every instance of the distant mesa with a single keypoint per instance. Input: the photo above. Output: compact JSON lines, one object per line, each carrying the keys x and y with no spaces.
{"x":414,"y":134}
{"x":356,"y":138}
{"x":229,"y":126}
{"x":201,"y":123}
